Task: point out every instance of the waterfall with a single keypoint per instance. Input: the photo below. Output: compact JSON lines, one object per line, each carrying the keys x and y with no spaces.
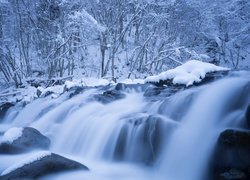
{"x":169,"y":138}
{"x":189,"y":148}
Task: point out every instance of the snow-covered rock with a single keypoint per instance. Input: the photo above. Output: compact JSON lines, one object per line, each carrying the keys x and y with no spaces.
{"x":12,"y":134}
{"x":57,"y":89}
{"x":17,"y":140}
{"x":40,"y":164}
{"x":187,"y":74}
{"x":28,"y":160}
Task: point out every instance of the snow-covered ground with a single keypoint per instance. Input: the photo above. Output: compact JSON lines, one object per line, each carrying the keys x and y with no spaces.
{"x":191,"y":72}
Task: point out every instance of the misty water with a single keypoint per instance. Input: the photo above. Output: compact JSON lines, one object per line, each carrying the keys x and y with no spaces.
{"x":136,"y":137}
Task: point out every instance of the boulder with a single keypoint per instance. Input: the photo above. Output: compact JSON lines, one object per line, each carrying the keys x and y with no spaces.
{"x":45,"y":165}
{"x":109,"y":96}
{"x":212,"y":76}
{"x":75,"y":91}
{"x":136,"y":87}
{"x":233,"y":174}
{"x":232,"y":155}
{"x":30,"y":139}
{"x":162,"y":91}
{"x":4,"y":107}
{"x":247,"y":115}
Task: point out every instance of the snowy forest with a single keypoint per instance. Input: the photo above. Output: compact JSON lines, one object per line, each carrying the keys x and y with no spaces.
{"x":125,"y":89}
{"x":118,"y":39}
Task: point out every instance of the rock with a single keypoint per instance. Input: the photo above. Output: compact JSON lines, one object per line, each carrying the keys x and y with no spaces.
{"x":75,"y":90}
{"x":4,"y":107}
{"x":38,"y":92}
{"x":30,"y":139}
{"x":120,"y":87}
{"x":162,"y":91}
{"x":46,"y":165}
{"x":247,"y":115}
{"x":153,"y":91}
{"x":232,"y":152}
{"x":235,"y":139}
{"x":233,"y":174}
{"x":212,"y":76}
{"x":109,"y":96}
{"x":136,"y":87}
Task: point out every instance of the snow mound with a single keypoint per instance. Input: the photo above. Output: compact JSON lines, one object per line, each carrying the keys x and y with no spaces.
{"x":57,"y":89}
{"x":187,"y":74}
{"x":89,"y":82}
{"x":12,"y":134}
{"x":132,"y":81}
{"x":35,"y":157}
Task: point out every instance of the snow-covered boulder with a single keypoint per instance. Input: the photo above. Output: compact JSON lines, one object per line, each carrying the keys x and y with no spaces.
{"x":40,"y":164}
{"x":187,"y":74}
{"x":17,"y":140}
{"x":57,"y":90}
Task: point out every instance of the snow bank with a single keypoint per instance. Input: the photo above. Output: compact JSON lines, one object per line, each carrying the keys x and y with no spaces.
{"x":188,"y":73}
{"x":35,"y":157}
{"x":12,"y":134}
{"x":57,"y":89}
{"x":89,"y":82}
{"x":132,"y":81}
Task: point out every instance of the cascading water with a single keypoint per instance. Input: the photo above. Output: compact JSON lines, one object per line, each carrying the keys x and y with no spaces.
{"x":188,"y":151}
{"x":136,"y":137}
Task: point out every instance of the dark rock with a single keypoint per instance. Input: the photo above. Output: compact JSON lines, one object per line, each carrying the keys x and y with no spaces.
{"x":38,"y":92}
{"x":233,"y":174}
{"x":162,"y":91}
{"x":109,"y":96}
{"x":153,"y":91}
{"x":161,"y":83}
{"x":212,"y":76}
{"x":4,"y":107}
{"x":76,"y":90}
{"x":120,"y":87}
{"x":46,"y":165}
{"x":129,"y":87}
{"x":248,"y":116}
{"x":30,"y":139}
{"x":234,"y":138}
{"x":232,"y":152}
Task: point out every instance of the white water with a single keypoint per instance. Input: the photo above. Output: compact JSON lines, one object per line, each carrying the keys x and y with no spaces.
{"x":187,"y":153}
{"x":87,"y":131}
